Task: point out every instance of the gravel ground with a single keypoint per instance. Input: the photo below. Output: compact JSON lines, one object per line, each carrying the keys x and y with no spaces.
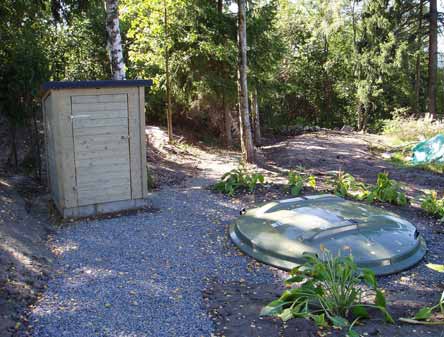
{"x":143,"y":275}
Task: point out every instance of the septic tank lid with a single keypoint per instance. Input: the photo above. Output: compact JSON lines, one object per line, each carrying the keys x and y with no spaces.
{"x":279,"y":233}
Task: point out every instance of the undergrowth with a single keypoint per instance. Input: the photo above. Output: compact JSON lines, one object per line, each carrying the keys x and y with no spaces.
{"x":403,"y":159}
{"x":329,"y":292}
{"x":239,"y":179}
{"x":408,"y":129}
{"x":297,"y":181}
{"x":432,"y":205}
{"x":385,"y":190}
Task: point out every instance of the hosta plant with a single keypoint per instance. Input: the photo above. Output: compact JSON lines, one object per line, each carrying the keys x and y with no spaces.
{"x":239,"y":179}
{"x":387,"y":190}
{"x":345,"y":185}
{"x":432,"y":205}
{"x":327,"y":289}
{"x":296,"y":182}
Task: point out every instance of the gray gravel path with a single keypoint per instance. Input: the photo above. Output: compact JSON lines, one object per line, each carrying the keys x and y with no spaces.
{"x":143,"y":275}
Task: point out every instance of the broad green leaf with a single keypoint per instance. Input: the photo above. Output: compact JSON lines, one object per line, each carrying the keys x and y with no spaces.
{"x":369,"y":277}
{"x":437,"y":267}
{"x":423,"y":313}
{"x":319,"y":320}
{"x":360,"y":311}
{"x":388,"y":318}
{"x":286,"y":314}
{"x":274,"y":308}
{"x":380,"y":299}
{"x":294,"y":279}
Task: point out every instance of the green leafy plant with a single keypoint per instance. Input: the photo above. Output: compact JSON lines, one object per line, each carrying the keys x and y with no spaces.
{"x":239,"y":179}
{"x":424,"y":314}
{"x":328,"y":292}
{"x":296,"y":182}
{"x":432,"y":205}
{"x":387,"y":190}
{"x":345,"y":185}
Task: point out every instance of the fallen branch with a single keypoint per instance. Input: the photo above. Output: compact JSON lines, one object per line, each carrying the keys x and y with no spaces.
{"x":414,"y":321}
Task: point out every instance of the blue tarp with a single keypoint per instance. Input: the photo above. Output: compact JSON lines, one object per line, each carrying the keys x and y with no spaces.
{"x":429,"y":151}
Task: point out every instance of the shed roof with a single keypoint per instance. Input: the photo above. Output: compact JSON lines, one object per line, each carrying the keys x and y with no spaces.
{"x":57,"y":85}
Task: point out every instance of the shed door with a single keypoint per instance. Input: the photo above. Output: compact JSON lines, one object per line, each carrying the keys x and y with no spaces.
{"x":101,"y":148}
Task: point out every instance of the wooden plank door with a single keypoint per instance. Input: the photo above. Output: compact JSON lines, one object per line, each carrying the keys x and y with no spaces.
{"x":101,"y":147}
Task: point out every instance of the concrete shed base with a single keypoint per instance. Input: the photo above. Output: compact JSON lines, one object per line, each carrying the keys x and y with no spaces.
{"x":103,"y":208}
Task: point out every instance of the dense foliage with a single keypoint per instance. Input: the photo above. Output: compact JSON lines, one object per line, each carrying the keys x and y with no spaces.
{"x":385,"y":190}
{"x":318,"y":62}
{"x":239,"y":179}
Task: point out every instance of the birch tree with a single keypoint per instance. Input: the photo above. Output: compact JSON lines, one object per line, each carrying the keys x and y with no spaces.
{"x":433,"y":57}
{"x":114,"y":40}
{"x":167,"y":74}
{"x":244,"y":112}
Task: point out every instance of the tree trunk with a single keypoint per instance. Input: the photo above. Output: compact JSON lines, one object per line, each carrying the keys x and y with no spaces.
{"x":13,"y":156}
{"x":168,"y":82}
{"x":220,"y":5}
{"x":256,"y":119}
{"x":418,"y":60}
{"x":433,"y":57}
{"x":244,"y":113}
{"x":114,"y":40}
{"x":227,"y":122}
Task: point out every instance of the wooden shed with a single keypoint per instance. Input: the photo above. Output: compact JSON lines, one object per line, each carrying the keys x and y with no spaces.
{"x":95,"y":145}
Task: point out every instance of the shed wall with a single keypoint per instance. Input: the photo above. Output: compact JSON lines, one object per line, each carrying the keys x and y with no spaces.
{"x":96,"y":148}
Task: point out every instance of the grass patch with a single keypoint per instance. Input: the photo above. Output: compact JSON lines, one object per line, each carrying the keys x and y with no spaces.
{"x":408,"y":129}
{"x":402,"y":159}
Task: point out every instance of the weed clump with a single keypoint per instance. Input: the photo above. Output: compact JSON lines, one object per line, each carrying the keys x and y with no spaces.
{"x":239,"y":179}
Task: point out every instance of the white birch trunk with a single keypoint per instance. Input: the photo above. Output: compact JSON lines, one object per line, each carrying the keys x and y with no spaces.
{"x":114,"y":40}
{"x":244,"y":112}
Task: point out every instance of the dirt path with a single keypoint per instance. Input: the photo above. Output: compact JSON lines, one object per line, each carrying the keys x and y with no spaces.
{"x":322,"y":152}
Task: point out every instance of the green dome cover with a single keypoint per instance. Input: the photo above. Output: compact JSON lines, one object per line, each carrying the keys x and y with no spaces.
{"x":279,"y":233}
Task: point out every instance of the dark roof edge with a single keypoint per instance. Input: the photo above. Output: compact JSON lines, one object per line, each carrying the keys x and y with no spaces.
{"x":96,"y":84}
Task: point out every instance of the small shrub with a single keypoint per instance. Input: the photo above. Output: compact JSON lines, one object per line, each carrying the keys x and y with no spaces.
{"x":330,"y":292}
{"x":296,"y":182}
{"x":432,"y":205}
{"x":387,"y":190}
{"x":238,"y":179}
{"x":345,"y":185}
